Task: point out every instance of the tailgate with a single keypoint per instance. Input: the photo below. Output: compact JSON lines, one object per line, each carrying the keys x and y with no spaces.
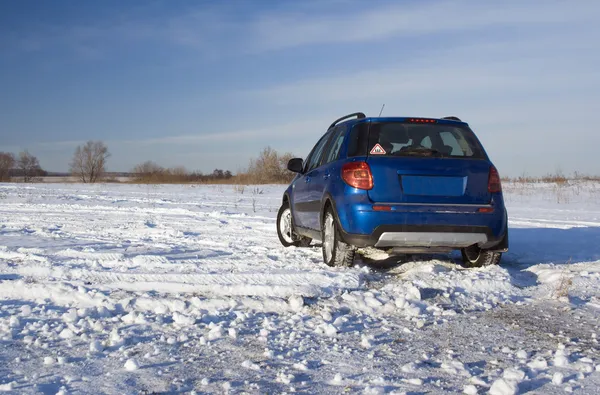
{"x":429,"y":180}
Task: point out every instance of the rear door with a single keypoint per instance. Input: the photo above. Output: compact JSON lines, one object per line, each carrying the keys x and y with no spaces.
{"x":427,"y":163}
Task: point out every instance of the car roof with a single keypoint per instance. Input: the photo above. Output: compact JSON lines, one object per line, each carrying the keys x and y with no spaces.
{"x":443,"y":120}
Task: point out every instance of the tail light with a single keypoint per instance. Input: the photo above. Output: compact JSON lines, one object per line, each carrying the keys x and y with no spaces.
{"x":357,"y":175}
{"x":382,"y":208}
{"x":494,"y":184}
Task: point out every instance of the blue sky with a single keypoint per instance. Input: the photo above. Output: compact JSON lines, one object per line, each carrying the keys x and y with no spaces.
{"x":208,"y":84}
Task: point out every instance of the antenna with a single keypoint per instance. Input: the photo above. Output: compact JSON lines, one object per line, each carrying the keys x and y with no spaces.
{"x":381,"y":109}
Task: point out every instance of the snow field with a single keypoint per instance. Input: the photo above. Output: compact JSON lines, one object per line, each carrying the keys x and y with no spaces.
{"x":126,"y":288}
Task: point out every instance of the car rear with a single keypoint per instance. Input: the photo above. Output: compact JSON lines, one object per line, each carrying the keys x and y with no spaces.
{"x":416,"y":183}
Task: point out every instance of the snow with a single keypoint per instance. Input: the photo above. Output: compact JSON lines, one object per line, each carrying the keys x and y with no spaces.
{"x":504,"y":387}
{"x":131,"y":365}
{"x":558,"y":378}
{"x":96,"y":346}
{"x":168,"y":289}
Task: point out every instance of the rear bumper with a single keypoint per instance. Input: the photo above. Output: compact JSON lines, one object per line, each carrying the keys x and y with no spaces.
{"x":427,"y":226}
{"x":430,"y":239}
{"x":428,"y":236}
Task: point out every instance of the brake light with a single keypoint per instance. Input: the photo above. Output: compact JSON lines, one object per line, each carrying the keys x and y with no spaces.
{"x":357,"y":175}
{"x":421,"y":120}
{"x":494,"y":184}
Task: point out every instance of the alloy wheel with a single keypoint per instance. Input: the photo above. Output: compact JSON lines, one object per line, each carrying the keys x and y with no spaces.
{"x":328,"y":238}
{"x":285,"y":224}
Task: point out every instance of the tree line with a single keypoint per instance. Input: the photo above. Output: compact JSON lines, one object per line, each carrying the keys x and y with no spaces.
{"x":24,"y":165}
{"x":152,"y":173}
{"x":89,"y":161}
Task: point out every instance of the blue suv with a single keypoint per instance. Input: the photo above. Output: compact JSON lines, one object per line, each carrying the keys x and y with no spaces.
{"x":403,"y":185}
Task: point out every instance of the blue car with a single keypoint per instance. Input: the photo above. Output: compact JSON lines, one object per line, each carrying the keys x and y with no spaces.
{"x":400,"y":184}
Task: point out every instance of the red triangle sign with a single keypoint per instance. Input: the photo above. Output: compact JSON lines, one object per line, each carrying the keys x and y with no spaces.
{"x":377,"y":150}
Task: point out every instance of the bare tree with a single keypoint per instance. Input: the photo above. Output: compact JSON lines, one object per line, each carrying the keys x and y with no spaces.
{"x":148,"y":167}
{"x":270,"y":166}
{"x":29,"y":166}
{"x":148,"y":172}
{"x":178,"y":174}
{"x":89,"y":161}
{"x":7,"y":161}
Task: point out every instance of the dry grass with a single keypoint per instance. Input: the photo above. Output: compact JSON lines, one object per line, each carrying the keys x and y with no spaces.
{"x":557,"y":188}
{"x":526,"y":180}
{"x":239,"y":188}
{"x":557,"y":178}
{"x":586,"y":177}
{"x":564,"y":284}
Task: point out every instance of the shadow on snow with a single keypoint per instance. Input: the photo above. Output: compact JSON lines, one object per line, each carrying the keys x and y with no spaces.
{"x":528,"y":247}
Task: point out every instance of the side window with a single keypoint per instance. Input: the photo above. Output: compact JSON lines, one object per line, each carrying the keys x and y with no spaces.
{"x":315,"y":157}
{"x":333,"y":149}
{"x":357,"y":140}
{"x":311,"y":154}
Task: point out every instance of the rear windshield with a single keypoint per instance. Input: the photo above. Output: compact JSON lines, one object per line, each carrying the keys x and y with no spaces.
{"x":410,"y":139}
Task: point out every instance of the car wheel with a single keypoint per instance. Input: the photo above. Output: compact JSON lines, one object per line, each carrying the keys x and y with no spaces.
{"x":285,"y":229}
{"x":474,"y":256}
{"x":335,"y":251}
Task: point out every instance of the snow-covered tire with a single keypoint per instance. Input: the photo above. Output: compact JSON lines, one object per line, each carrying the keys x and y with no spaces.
{"x":474,"y":256}
{"x":335,"y":251}
{"x":285,"y":229}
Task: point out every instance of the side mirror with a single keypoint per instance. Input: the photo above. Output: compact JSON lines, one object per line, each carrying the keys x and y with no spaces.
{"x":295,"y":165}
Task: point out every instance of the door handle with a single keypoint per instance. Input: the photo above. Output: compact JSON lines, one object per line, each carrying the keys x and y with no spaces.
{"x":326,"y":176}
{"x":307,"y":180}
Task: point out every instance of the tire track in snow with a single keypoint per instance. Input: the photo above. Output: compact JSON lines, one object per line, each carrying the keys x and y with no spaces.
{"x":92,"y":255}
{"x":272,"y":284}
{"x":299,"y":278}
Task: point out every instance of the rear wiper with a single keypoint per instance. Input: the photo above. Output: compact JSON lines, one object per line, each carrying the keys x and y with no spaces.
{"x":420,"y":150}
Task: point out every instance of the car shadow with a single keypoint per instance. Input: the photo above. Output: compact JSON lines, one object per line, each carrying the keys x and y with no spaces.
{"x":528,"y":247}
{"x":532,"y":246}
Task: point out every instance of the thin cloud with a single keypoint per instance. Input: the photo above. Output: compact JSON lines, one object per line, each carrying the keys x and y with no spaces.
{"x":219,"y":30}
{"x":277,"y":130}
{"x":195,"y":29}
{"x":429,"y":77}
{"x":291,"y":29}
{"x":59,"y":144}
{"x":237,"y":136}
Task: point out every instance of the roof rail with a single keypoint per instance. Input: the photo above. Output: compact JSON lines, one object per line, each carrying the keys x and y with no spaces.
{"x":358,"y":115}
{"x":453,"y":118}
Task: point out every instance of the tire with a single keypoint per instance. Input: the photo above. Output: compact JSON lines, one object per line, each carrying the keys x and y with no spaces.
{"x":474,"y":256}
{"x":335,"y":252}
{"x":285,"y":229}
